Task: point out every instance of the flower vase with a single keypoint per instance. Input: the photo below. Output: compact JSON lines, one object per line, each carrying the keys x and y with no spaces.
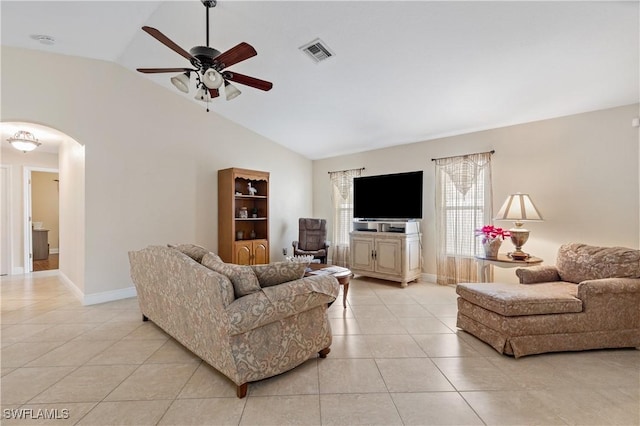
{"x":491,"y":247}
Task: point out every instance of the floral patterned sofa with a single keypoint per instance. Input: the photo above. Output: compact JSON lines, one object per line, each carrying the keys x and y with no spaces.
{"x":589,"y":300}
{"x":248,"y":322}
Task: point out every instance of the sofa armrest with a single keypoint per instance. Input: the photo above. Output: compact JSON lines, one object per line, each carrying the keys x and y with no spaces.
{"x":609,"y":286}
{"x":281,"y":301}
{"x":538,"y":274}
{"x":611,"y":303}
{"x":325,"y":289}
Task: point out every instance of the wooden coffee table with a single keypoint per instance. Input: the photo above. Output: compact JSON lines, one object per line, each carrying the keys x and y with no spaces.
{"x":343,"y":276}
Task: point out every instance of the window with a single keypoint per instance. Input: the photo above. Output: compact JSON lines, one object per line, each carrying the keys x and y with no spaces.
{"x":463,"y":204}
{"x":342,"y":197}
{"x":343,"y":218}
{"x":463,"y":216}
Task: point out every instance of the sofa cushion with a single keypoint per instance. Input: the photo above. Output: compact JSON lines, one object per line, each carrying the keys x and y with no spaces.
{"x":580,"y":262}
{"x":517,"y":299}
{"x":192,"y":250}
{"x":279,"y":272}
{"x":242,"y":277}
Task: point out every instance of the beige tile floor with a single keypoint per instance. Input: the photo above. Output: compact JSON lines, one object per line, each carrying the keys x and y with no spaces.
{"x":397,"y":358}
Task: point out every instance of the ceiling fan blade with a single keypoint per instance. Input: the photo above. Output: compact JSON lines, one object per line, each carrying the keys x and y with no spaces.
{"x":214,"y":93}
{"x":248,"y":81}
{"x":168,"y":42}
{"x":236,"y":54}
{"x":159,"y":70}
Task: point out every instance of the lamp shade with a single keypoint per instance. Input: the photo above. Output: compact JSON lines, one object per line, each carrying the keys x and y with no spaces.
{"x":519,"y":208}
{"x":24,"y":141}
{"x":212,"y":79}
{"x":202,"y":95}
{"x":231,"y":91}
{"x":181,"y":81}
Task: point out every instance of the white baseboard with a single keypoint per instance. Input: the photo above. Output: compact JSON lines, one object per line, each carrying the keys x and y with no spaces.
{"x":71,"y":286}
{"x":109,"y":296}
{"x":85,"y":299}
{"x":95,"y":298}
{"x":17,"y":270}
{"x":431,"y":278}
{"x":54,"y":251}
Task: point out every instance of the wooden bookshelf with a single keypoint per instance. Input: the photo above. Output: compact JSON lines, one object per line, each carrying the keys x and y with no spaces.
{"x":243,"y":240}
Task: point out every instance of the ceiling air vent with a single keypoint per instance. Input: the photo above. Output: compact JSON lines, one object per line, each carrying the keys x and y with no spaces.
{"x":317,"y":50}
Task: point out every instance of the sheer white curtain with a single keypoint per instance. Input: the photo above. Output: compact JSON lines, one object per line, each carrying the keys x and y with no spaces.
{"x":464,"y":201}
{"x":342,"y":199}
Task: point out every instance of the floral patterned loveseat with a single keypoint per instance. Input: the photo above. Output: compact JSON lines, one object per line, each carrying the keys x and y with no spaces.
{"x":248,"y":322}
{"x":589,"y":300}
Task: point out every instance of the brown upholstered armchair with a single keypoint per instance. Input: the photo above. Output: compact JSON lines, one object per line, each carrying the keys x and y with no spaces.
{"x":312,"y":239}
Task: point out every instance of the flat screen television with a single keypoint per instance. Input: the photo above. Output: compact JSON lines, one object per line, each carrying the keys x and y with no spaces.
{"x":393,"y":196}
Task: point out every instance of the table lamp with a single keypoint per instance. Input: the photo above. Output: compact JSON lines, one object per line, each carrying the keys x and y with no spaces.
{"x":519,"y":208}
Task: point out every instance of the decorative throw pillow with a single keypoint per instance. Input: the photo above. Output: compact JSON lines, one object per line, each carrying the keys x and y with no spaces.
{"x":279,"y":272}
{"x":210,"y":258}
{"x":538,"y":274}
{"x":242,"y":277}
{"x":193,"y":251}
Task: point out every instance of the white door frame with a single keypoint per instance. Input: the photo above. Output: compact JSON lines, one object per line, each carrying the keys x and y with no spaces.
{"x":27,"y":220}
{"x":6,"y":229}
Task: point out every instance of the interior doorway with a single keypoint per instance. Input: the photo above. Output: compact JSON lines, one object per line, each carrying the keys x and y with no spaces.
{"x":42,"y":219}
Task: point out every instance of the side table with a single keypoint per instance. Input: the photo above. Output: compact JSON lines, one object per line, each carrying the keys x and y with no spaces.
{"x":502,"y":261}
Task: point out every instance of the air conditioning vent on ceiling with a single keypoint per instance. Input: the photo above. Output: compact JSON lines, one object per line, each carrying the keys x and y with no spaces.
{"x":317,"y":50}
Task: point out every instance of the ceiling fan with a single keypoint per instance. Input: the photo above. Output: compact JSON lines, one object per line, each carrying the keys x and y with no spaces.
{"x":209,"y":66}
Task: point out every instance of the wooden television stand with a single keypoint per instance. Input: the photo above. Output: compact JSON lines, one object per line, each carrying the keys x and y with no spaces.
{"x":387,"y":249}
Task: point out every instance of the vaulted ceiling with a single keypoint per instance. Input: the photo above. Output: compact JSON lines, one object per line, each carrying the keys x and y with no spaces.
{"x":402,"y":72}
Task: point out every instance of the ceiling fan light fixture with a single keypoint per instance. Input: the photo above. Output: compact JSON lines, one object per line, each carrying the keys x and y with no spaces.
{"x":202,"y":95}
{"x":181,"y":81}
{"x":231,"y":91}
{"x":212,"y":79}
{"x":209,"y":65}
{"x":24,"y":141}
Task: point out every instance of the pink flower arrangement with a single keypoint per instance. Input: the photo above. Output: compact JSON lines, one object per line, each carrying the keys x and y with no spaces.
{"x":490,"y":232}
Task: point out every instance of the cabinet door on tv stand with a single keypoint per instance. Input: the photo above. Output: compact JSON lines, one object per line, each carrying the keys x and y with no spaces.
{"x":362,"y":249}
{"x":389,"y":255}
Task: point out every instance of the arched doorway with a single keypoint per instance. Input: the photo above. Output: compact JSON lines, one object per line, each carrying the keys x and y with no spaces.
{"x":59,"y":154}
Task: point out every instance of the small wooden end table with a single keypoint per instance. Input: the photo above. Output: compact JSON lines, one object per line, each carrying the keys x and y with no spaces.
{"x":503,"y":261}
{"x":343,"y":275}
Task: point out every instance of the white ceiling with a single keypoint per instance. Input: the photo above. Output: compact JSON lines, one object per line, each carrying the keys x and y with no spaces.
{"x":403,"y":71}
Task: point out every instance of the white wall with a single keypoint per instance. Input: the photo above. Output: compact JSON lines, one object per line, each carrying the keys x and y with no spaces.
{"x":151,"y":159}
{"x":72,"y":214}
{"x":580,"y":170}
